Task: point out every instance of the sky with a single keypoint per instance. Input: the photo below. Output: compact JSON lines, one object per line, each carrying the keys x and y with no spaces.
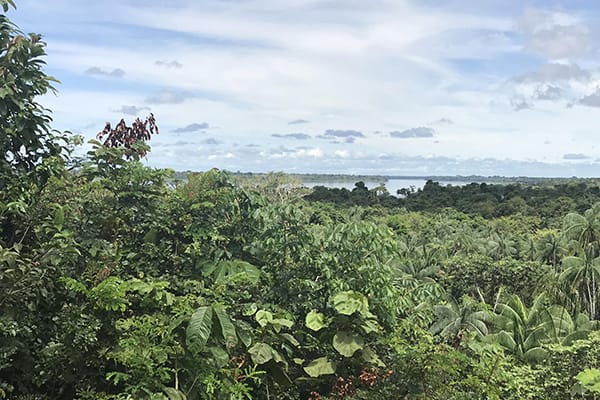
{"x":391,"y":87}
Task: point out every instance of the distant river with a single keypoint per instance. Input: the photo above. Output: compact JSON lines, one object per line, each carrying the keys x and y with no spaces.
{"x":392,"y":185}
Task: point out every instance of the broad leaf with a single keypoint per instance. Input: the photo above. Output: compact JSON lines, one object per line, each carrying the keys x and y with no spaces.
{"x":227,"y":328}
{"x":278,"y":373}
{"x":349,"y":302}
{"x":347,"y":343}
{"x":315,"y":321}
{"x":261,"y":353}
{"x":320,"y":366}
{"x":264,"y":317}
{"x":198,"y":330}
{"x":279,"y":322}
{"x":219,"y":356}
{"x":244,"y":332}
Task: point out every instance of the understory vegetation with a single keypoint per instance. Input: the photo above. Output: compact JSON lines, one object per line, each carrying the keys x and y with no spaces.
{"x":117,"y":282}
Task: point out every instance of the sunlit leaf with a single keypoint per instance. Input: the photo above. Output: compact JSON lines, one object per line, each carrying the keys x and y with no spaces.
{"x":320,"y":366}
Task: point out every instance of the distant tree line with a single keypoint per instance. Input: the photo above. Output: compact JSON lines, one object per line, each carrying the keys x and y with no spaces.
{"x":487,"y":200}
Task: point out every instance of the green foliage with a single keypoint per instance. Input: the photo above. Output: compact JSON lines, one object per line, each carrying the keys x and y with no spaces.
{"x":589,"y":379}
{"x":25,"y":136}
{"x":137,"y":288}
{"x":320,"y":366}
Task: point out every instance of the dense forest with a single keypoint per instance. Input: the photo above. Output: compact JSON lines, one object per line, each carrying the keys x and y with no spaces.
{"x":119,"y":282}
{"x":543,"y":200}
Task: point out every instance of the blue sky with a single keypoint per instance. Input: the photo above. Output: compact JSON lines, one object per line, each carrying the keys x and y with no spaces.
{"x":393,"y":87}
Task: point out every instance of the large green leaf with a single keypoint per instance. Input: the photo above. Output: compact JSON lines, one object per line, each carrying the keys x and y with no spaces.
{"x":261,"y":353}
{"x":347,"y":343}
{"x":315,"y":321}
{"x":244,"y":332}
{"x":264,"y":317}
{"x":198,"y":330}
{"x":278,"y":323}
{"x":227,"y":328}
{"x":320,"y":366}
{"x":220,"y":358}
{"x":349,"y":302}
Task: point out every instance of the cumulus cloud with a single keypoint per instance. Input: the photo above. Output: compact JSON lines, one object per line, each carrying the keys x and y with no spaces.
{"x":217,"y":156}
{"x":298,"y":136}
{"x":420,"y":132}
{"x":561,"y":41}
{"x":195,"y":127}
{"x":211,"y":141}
{"x":300,"y":152}
{"x":334,"y":133}
{"x":591,"y":100}
{"x":115,"y":73}
{"x":298,"y":121}
{"x":168,"y":97}
{"x":555,"y":35}
{"x":519,"y":103}
{"x":553,"y":72}
{"x":548,"y":92}
{"x":169,"y":64}
{"x":342,"y":153}
{"x":131,"y":110}
{"x":575,"y":156}
{"x":444,"y":121}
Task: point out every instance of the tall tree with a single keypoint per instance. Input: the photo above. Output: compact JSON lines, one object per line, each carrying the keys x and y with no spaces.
{"x":580,"y":276}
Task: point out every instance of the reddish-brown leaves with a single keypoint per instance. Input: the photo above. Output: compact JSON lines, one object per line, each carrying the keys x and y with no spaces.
{"x":126,"y":136}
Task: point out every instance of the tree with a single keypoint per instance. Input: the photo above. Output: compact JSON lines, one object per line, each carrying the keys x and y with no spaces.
{"x":580,"y":277}
{"x":523,"y":330}
{"x":25,"y":135}
{"x":550,"y":247}
{"x":585,"y":228}
{"x":455,"y":319}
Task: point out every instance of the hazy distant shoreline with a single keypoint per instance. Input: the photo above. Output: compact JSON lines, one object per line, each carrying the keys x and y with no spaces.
{"x":352,"y":178}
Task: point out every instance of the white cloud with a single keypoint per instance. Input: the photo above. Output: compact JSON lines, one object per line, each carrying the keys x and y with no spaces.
{"x":420,"y":132}
{"x":557,"y":35}
{"x":342,"y":153}
{"x":253,"y":67}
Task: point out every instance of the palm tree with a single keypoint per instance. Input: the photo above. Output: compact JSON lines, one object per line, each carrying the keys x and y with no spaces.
{"x":580,"y":329}
{"x":465,"y":240}
{"x":523,"y":331}
{"x":580,"y":277}
{"x":585,"y":228}
{"x":418,"y":278}
{"x":500,"y":246}
{"x":454,"y":319}
{"x":528,"y":249}
{"x":550,"y":248}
